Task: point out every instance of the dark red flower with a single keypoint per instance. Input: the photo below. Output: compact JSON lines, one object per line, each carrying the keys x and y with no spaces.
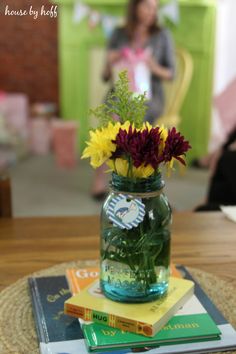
{"x":140,"y":146}
{"x":123,"y":141}
{"x":175,"y":146}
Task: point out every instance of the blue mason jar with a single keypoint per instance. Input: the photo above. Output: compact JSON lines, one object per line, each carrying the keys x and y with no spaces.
{"x":135,"y":240}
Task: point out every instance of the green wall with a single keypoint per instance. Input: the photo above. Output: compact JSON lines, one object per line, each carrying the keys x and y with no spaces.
{"x":195,"y":32}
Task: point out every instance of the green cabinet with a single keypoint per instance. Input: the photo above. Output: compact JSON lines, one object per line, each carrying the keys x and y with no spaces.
{"x":195,"y":32}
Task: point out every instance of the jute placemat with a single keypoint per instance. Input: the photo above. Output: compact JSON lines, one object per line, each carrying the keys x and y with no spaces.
{"x":17,"y":330}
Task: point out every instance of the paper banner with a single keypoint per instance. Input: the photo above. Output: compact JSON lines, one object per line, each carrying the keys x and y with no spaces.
{"x":94,"y":19}
{"x":108,"y":24}
{"x":80,"y":12}
{"x":170,"y":11}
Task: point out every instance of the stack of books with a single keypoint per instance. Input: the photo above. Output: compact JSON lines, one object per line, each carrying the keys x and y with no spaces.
{"x":182,"y":322}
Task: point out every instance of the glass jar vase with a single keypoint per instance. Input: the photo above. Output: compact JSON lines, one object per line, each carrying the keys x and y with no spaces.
{"x":135,"y":240}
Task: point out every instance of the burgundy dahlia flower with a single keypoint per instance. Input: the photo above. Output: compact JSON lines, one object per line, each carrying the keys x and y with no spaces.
{"x":141,"y":146}
{"x":175,"y":146}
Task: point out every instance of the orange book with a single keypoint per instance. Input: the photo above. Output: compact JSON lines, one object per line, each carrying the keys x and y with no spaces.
{"x":174,"y":272}
{"x":80,"y":278}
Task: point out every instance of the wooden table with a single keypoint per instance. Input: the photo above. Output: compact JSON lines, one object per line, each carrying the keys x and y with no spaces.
{"x":202,"y":240}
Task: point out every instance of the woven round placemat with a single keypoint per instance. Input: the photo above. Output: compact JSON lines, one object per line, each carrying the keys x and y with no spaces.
{"x":17,"y":330}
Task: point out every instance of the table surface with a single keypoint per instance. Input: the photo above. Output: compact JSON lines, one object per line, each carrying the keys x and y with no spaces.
{"x":205,"y":241}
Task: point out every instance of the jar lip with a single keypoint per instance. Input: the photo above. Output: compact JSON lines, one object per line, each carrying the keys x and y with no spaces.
{"x":138,"y":185}
{"x":138,"y":180}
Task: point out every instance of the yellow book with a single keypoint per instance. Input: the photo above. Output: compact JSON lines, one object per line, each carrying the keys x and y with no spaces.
{"x":147,"y":319}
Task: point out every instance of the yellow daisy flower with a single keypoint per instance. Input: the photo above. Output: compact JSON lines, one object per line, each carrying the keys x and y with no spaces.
{"x":121,"y":167}
{"x":143,"y":172}
{"x":100,"y":147}
{"x":146,"y":125}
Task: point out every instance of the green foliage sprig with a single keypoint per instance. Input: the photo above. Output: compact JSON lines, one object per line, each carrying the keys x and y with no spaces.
{"x":122,"y":103}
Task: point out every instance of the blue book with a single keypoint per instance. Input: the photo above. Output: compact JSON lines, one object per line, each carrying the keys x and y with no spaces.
{"x":61,"y":334}
{"x":57,"y":333}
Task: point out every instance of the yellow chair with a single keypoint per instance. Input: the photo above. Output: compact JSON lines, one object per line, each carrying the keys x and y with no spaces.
{"x":175,"y":91}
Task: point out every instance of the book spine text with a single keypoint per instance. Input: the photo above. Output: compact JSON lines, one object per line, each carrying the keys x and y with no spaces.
{"x":109,"y":320}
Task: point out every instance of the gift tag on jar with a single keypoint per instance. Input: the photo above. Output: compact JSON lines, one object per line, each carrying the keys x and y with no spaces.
{"x":125,"y":212}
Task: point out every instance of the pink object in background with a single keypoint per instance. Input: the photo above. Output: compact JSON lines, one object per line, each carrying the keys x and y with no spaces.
{"x":40,"y":136}
{"x":64,"y":143}
{"x":16,"y":113}
{"x":3,"y":95}
{"x":135,"y":62}
{"x":226,"y":106}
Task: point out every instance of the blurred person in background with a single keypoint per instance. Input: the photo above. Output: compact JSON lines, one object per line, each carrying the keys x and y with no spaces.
{"x":141,"y":31}
{"x":222,"y":186}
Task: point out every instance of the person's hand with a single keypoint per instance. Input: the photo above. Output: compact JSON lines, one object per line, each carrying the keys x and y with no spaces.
{"x":232,"y":147}
{"x":154,"y":67}
{"x":114,"y":56}
{"x":107,"y":73}
{"x":158,"y":70}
